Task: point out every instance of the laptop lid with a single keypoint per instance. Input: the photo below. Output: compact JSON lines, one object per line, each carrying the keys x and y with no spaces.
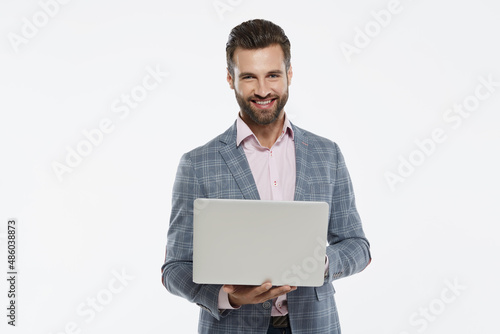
{"x":249,"y":242}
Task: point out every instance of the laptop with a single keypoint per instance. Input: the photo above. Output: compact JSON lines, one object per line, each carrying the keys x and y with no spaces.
{"x":249,"y":242}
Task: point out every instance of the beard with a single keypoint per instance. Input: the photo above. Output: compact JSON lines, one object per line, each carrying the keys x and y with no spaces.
{"x":260,"y":116}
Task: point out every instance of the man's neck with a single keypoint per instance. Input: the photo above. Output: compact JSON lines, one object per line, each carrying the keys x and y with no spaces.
{"x":266,"y":134}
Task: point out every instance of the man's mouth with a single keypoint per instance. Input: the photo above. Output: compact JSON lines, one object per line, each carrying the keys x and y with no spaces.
{"x":264,"y":104}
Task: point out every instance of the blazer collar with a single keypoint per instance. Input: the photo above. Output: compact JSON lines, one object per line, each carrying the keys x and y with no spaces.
{"x":302,"y":156}
{"x":236,"y":161}
{"x":235,"y":158}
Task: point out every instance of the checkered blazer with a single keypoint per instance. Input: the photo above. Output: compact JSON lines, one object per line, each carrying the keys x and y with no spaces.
{"x":219,"y":169}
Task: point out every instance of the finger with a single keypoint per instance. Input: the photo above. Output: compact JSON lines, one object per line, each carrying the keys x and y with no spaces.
{"x":228,"y":288}
{"x":283,"y":289}
{"x":261,"y":289}
{"x":272,"y":293}
{"x":251,"y":292}
{"x":279,"y":291}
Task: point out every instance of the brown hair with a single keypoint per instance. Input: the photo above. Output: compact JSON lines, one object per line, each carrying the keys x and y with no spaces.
{"x":256,"y":34}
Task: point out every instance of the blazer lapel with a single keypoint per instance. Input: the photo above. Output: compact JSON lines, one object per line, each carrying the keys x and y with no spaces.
{"x":301,"y":158}
{"x":237,"y":163}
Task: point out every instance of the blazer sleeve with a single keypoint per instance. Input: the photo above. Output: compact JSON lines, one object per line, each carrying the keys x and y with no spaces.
{"x":348,"y":249}
{"x":177,"y":270}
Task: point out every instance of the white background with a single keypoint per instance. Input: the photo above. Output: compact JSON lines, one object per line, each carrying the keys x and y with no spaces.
{"x":110,"y":214}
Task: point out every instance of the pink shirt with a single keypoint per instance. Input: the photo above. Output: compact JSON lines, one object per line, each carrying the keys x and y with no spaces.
{"x":274,"y":173}
{"x":273,"y":169}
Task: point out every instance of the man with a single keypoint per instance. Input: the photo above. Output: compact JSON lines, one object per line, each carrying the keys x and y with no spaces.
{"x":264,"y":156}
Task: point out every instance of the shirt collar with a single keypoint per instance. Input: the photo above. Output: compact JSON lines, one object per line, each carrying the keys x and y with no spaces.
{"x":243,"y":131}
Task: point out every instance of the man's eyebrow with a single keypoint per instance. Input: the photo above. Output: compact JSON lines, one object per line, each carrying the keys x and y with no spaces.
{"x":246,"y":74}
{"x":249,"y":74}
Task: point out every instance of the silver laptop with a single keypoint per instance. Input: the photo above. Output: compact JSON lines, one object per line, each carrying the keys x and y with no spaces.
{"x":250,"y":242}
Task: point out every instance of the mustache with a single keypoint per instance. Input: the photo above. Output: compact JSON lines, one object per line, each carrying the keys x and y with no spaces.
{"x":267,"y":97}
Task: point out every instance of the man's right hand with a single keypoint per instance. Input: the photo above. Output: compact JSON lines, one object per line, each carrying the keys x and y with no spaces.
{"x":249,"y":294}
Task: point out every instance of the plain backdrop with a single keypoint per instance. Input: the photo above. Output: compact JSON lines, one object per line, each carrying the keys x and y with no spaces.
{"x":383,"y":79}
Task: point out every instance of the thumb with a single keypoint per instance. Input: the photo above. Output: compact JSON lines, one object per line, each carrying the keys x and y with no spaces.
{"x":228,"y":288}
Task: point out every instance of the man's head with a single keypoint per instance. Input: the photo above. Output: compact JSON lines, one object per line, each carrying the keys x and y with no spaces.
{"x":256,"y":34}
{"x":259,"y":70}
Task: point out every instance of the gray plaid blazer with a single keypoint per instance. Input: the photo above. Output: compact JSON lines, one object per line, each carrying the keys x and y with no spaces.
{"x":219,"y":169}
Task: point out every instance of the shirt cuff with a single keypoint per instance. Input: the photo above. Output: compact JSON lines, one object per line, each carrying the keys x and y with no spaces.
{"x":327,"y":262}
{"x":224,"y":303}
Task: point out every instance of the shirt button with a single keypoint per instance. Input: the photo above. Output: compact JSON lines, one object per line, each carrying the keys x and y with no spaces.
{"x":266,"y":305}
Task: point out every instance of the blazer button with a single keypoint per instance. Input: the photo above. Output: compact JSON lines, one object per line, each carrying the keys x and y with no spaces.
{"x":266,"y":305}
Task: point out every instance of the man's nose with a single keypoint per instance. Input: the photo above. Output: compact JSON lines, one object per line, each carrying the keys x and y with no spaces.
{"x":263,"y":89}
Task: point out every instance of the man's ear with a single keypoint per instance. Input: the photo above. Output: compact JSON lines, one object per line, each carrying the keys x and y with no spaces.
{"x":290,"y":75}
{"x":230,"y":79}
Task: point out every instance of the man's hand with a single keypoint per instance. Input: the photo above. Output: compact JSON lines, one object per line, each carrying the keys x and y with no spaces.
{"x":249,"y":294}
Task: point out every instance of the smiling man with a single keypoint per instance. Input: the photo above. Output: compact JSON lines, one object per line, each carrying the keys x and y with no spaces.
{"x":260,"y":79}
{"x":264,"y":156}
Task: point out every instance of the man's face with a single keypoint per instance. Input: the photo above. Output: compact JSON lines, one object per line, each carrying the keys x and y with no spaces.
{"x":260,"y":83}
